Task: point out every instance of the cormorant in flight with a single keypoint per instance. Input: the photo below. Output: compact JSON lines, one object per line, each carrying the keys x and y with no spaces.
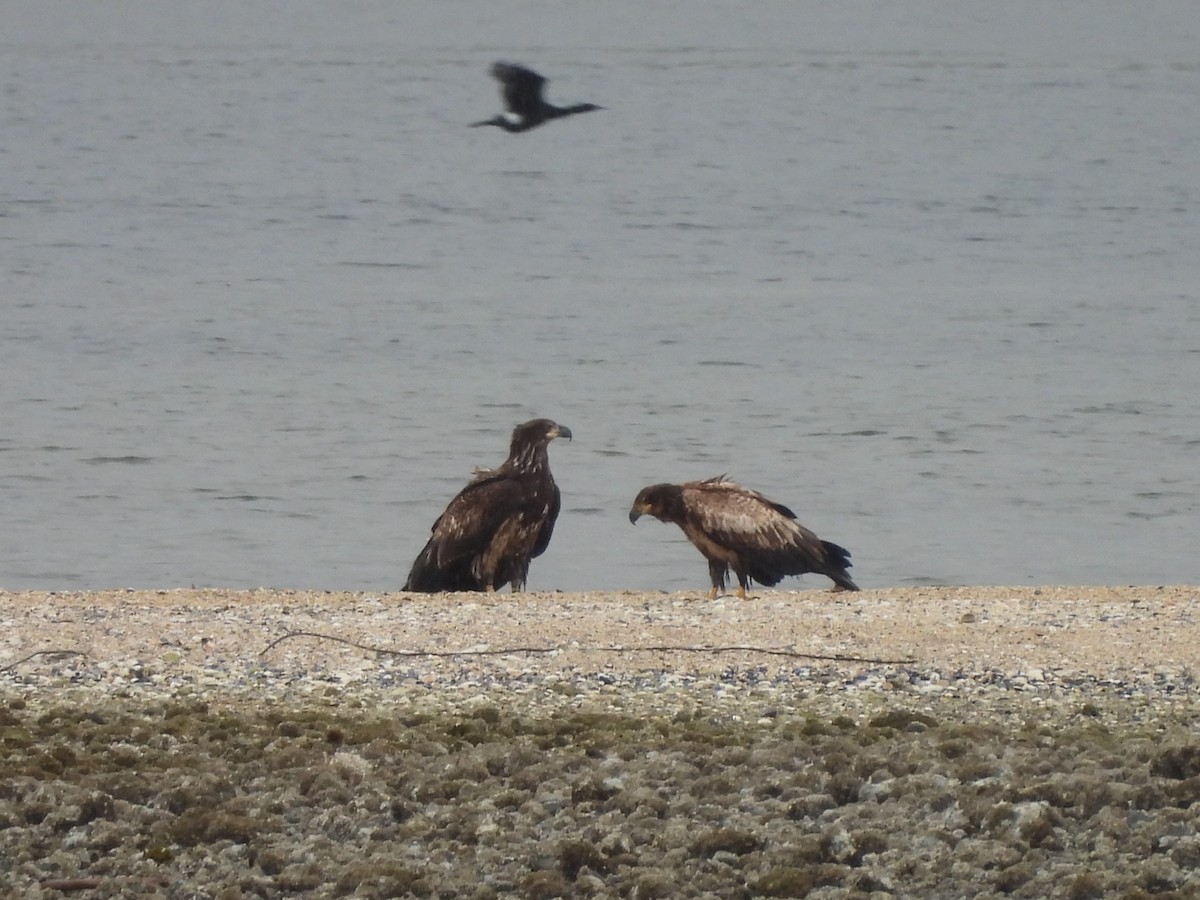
{"x":524,"y":107}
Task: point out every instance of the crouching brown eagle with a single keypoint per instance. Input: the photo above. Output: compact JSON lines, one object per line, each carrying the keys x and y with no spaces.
{"x":736,"y":527}
{"x":499,"y":522}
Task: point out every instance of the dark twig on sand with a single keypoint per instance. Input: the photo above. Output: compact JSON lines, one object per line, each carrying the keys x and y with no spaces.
{"x":641,"y":648}
{"x":12,"y":666}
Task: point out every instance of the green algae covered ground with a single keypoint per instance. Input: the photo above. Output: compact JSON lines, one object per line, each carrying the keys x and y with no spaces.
{"x":636,"y":790}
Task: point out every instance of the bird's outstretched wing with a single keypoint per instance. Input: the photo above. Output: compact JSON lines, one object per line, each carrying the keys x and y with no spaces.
{"x":521,"y":88}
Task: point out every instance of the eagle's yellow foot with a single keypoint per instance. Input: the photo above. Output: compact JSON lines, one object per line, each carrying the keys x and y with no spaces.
{"x":712,"y":595}
{"x":741,"y":593}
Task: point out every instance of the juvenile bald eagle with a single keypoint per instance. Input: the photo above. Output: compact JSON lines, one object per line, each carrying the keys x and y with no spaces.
{"x":524,"y":108}
{"x":736,"y":527}
{"x":495,"y":525}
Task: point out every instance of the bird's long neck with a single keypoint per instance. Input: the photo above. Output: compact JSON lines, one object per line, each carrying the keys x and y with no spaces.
{"x":671,"y":504}
{"x":528,"y":457}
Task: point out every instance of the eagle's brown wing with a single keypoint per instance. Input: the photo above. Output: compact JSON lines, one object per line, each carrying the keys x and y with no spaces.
{"x":763,"y":535}
{"x":473,"y":517}
{"x":462,"y":532}
{"x":546,"y":526}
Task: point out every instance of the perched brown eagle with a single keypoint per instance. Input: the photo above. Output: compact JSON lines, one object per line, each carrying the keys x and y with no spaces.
{"x":499,"y":522}
{"x":736,"y":527}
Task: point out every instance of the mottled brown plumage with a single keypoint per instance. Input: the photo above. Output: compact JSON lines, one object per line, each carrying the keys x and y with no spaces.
{"x":735,"y":527}
{"x":495,"y":525}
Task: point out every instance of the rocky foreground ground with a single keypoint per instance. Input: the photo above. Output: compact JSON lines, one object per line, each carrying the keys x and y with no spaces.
{"x":927,"y":742}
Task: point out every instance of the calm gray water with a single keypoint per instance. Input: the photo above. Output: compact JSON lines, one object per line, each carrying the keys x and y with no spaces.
{"x":926,"y":272}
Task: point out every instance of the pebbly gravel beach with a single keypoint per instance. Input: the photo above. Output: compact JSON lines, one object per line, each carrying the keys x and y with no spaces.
{"x":920,"y":742}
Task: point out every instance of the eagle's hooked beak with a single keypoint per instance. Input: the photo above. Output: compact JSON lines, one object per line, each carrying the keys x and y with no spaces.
{"x":635,"y":514}
{"x":561,"y":431}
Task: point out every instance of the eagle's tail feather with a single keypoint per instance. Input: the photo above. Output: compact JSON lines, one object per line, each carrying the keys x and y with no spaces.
{"x":423,"y":577}
{"x":839,"y":562}
{"x":427,"y":577}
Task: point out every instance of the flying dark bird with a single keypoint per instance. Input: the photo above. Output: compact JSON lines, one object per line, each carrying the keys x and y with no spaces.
{"x":736,"y":527}
{"x":499,"y":522}
{"x":524,"y":107}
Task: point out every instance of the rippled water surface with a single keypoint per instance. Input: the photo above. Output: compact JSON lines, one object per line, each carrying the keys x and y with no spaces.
{"x":928,"y":276}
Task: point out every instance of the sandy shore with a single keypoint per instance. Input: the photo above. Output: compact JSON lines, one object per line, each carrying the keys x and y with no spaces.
{"x":1105,"y":632}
